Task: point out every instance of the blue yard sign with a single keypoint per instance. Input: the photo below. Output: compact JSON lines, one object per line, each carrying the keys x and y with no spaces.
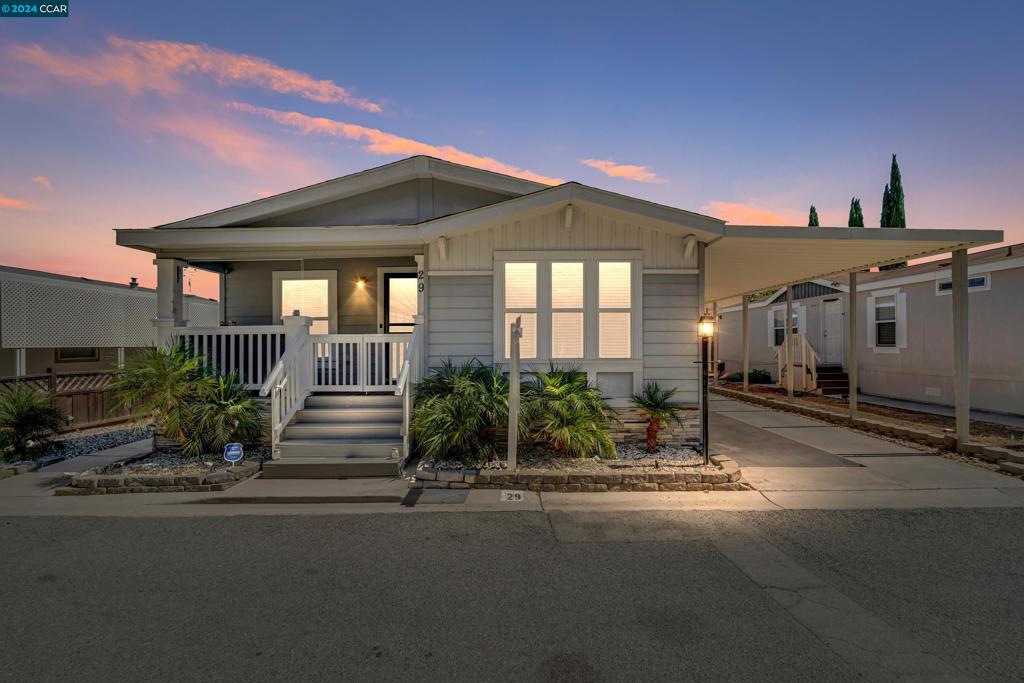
{"x":233,"y":452}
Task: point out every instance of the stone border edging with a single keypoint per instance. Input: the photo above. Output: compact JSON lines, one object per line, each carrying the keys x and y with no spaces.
{"x":727,"y":478}
{"x":97,"y":483}
{"x":1008,"y":460}
{"x":8,"y":471}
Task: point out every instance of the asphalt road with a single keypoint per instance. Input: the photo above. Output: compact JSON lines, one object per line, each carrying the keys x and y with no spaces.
{"x":509,"y":596}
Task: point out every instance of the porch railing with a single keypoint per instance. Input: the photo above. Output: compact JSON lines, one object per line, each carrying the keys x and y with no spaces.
{"x":404,"y":386}
{"x":250,"y":352}
{"x":805,"y":362}
{"x":289,"y":383}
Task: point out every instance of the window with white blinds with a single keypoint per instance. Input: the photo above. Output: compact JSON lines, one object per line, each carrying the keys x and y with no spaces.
{"x":311,"y":293}
{"x":571,"y":309}
{"x":615,"y":297}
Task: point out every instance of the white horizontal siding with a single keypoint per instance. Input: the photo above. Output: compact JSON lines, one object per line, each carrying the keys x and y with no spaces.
{"x":590,"y":231}
{"x":670,"y":329}
{"x":459,"y":319}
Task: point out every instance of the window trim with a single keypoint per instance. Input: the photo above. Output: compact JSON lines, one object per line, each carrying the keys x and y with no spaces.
{"x":382,"y":272}
{"x":93,"y":358}
{"x":799,"y":310}
{"x":984,"y":287}
{"x":590,"y":260}
{"x":900,"y":300}
{"x":332,"y":294}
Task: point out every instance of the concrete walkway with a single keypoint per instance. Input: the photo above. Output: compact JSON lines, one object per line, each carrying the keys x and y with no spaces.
{"x":948,"y":411}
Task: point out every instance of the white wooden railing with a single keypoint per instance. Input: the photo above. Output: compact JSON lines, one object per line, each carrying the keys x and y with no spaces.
{"x":805,"y":363}
{"x":358,"y":362}
{"x":404,"y":385}
{"x":250,"y":352}
{"x":289,"y":383}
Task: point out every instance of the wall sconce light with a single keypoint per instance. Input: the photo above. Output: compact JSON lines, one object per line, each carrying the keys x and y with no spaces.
{"x":360,"y":282}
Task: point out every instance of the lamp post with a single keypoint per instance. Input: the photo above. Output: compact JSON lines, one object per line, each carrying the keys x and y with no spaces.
{"x":706,"y":330}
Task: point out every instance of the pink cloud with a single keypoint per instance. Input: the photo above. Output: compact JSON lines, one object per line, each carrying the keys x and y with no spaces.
{"x":43,"y":182}
{"x":157,"y":65}
{"x":739,"y":213}
{"x":626,"y":171}
{"x":380,"y":142}
{"x":18,"y":204}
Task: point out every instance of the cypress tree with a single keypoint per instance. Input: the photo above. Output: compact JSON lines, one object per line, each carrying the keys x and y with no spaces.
{"x":812,"y":219}
{"x":894,"y":212}
{"x":856,"y":219}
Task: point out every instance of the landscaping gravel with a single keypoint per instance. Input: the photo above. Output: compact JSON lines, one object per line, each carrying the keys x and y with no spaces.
{"x":677,"y":455}
{"x":98,"y":440}
{"x":168,"y":461}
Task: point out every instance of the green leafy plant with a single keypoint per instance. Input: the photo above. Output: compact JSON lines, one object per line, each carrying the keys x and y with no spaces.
{"x":568,"y":412}
{"x":220,"y":412}
{"x":656,"y":405}
{"x":28,"y":422}
{"x":755,"y":376}
{"x":157,"y":383}
{"x":458,"y":410}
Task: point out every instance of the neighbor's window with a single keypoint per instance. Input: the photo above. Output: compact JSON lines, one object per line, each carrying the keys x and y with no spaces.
{"x":615,"y":300}
{"x":521,"y":302}
{"x":885,"y":321}
{"x":779,"y":324}
{"x":77,"y":355}
{"x":973,"y":282}
{"x":567,"y":310}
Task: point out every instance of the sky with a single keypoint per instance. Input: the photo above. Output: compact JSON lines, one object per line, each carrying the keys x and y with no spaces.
{"x":128,"y":116}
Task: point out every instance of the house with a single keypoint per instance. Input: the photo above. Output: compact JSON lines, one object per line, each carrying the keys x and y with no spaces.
{"x":74,"y":324}
{"x":396,"y":268}
{"x":905,"y":348}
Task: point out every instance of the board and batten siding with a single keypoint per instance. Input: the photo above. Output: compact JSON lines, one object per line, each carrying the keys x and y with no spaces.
{"x":590,"y":231}
{"x":459,"y":320}
{"x":670,"y":346}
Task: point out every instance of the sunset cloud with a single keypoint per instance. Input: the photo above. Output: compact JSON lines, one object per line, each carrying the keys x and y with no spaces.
{"x":18,"y":204}
{"x":43,"y":181}
{"x":158,"y":66}
{"x":739,"y":213}
{"x":380,"y":142}
{"x":626,"y":171}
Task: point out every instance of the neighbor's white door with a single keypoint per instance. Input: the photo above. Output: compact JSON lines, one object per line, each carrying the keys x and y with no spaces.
{"x":832,"y":331}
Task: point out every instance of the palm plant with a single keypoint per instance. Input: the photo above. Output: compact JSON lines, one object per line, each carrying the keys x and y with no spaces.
{"x":568,"y":412}
{"x":656,"y":405}
{"x":218,"y":413}
{"x":28,"y":422}
{"x":459,"y":409}
{"x":159,"y":382}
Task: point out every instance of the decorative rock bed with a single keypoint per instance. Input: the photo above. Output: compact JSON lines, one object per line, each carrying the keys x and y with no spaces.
{"x":90,"y":441}
{"x":164,"y":472}
{"x":722,"y":475}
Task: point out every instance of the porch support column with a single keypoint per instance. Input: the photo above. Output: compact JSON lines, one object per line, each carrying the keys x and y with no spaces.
{"x":961,"y":348}
{"x":170,"y":298}
{"x":746,"y":342}
{"x":222,"y":297}
{"x":20,"y":362}
{"x":789,"y":342}
{"x":714,"y":342}
{"x":851,"y":344}
{"x":120,"y":358}
{"x":421,"y":316}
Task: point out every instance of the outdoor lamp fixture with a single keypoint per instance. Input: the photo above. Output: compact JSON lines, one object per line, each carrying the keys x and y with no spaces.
{"x":360,"y":282}
{"x":706,"y":330}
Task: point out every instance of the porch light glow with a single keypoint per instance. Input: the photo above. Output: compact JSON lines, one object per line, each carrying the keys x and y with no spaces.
{"x":360,"y":282}
{"x":706,"y":326}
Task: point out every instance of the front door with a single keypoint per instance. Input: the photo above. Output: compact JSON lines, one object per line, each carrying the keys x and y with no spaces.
{"x":832,"y":331}
{"x":400,"y":302}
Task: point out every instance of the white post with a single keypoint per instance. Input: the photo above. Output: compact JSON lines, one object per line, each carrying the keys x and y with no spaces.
{"x":852,"y":345}
{"x":515,"y":332}
{"x":120,"y":358}
{"x":20,"y":362}
{"x":746,"y":342}
{"x":170,"y":298}
{"x":961,"y":348}
{"x":714,"y":342}
{"x":421,"y":311}
{"x":788,"y":340}
{"x":222,"y":292}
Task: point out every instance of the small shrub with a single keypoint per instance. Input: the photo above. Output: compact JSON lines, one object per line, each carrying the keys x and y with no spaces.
{"x":562,"y":408}
{"x":28,"y":423}
{"x":458,"y":410}
{"x":756,"y":376}
{"x":657,"y":406}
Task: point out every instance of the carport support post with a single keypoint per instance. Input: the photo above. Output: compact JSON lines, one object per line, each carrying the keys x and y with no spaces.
{"x":961,"y":348}
{"x":789,"y":342}
{"x":746,"y":342}
{"x":851,"y":345}
{"x":714,"y":341}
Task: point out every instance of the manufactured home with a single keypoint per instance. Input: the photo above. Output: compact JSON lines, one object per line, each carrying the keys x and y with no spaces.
{"x":337,"y":297}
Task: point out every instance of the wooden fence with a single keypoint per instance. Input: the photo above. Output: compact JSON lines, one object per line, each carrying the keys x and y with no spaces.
{"x":83,"y":396}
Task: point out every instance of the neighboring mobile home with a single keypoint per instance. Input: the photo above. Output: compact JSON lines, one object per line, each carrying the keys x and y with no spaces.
{"x":397,"y":268}
{"x":905,"y":347}
{"x":73,"y":324}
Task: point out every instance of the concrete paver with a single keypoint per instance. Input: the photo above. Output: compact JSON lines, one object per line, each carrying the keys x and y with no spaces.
{"x":772,"y":419}
{"x":894,"y":499}
{"x":817,"y":479}
{"x":756,"y":447}
{"x":841,"y":441}
{"x":936,"y":473}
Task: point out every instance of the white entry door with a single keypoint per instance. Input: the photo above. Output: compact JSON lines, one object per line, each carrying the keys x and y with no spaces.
{"x":832,"y":331}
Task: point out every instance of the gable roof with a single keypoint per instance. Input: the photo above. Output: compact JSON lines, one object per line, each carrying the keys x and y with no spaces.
{"x":360,"y":183}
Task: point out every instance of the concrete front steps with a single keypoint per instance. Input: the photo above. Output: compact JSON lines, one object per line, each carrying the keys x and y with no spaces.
{"x":338,"y":436}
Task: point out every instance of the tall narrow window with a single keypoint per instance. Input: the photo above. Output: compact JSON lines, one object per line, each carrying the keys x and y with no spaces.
{"x":521,"y":301}
{"x":885,"y":321}
{"x":566,"y":310}
{"x":779,"y":324}
{"x":615,"y":298}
